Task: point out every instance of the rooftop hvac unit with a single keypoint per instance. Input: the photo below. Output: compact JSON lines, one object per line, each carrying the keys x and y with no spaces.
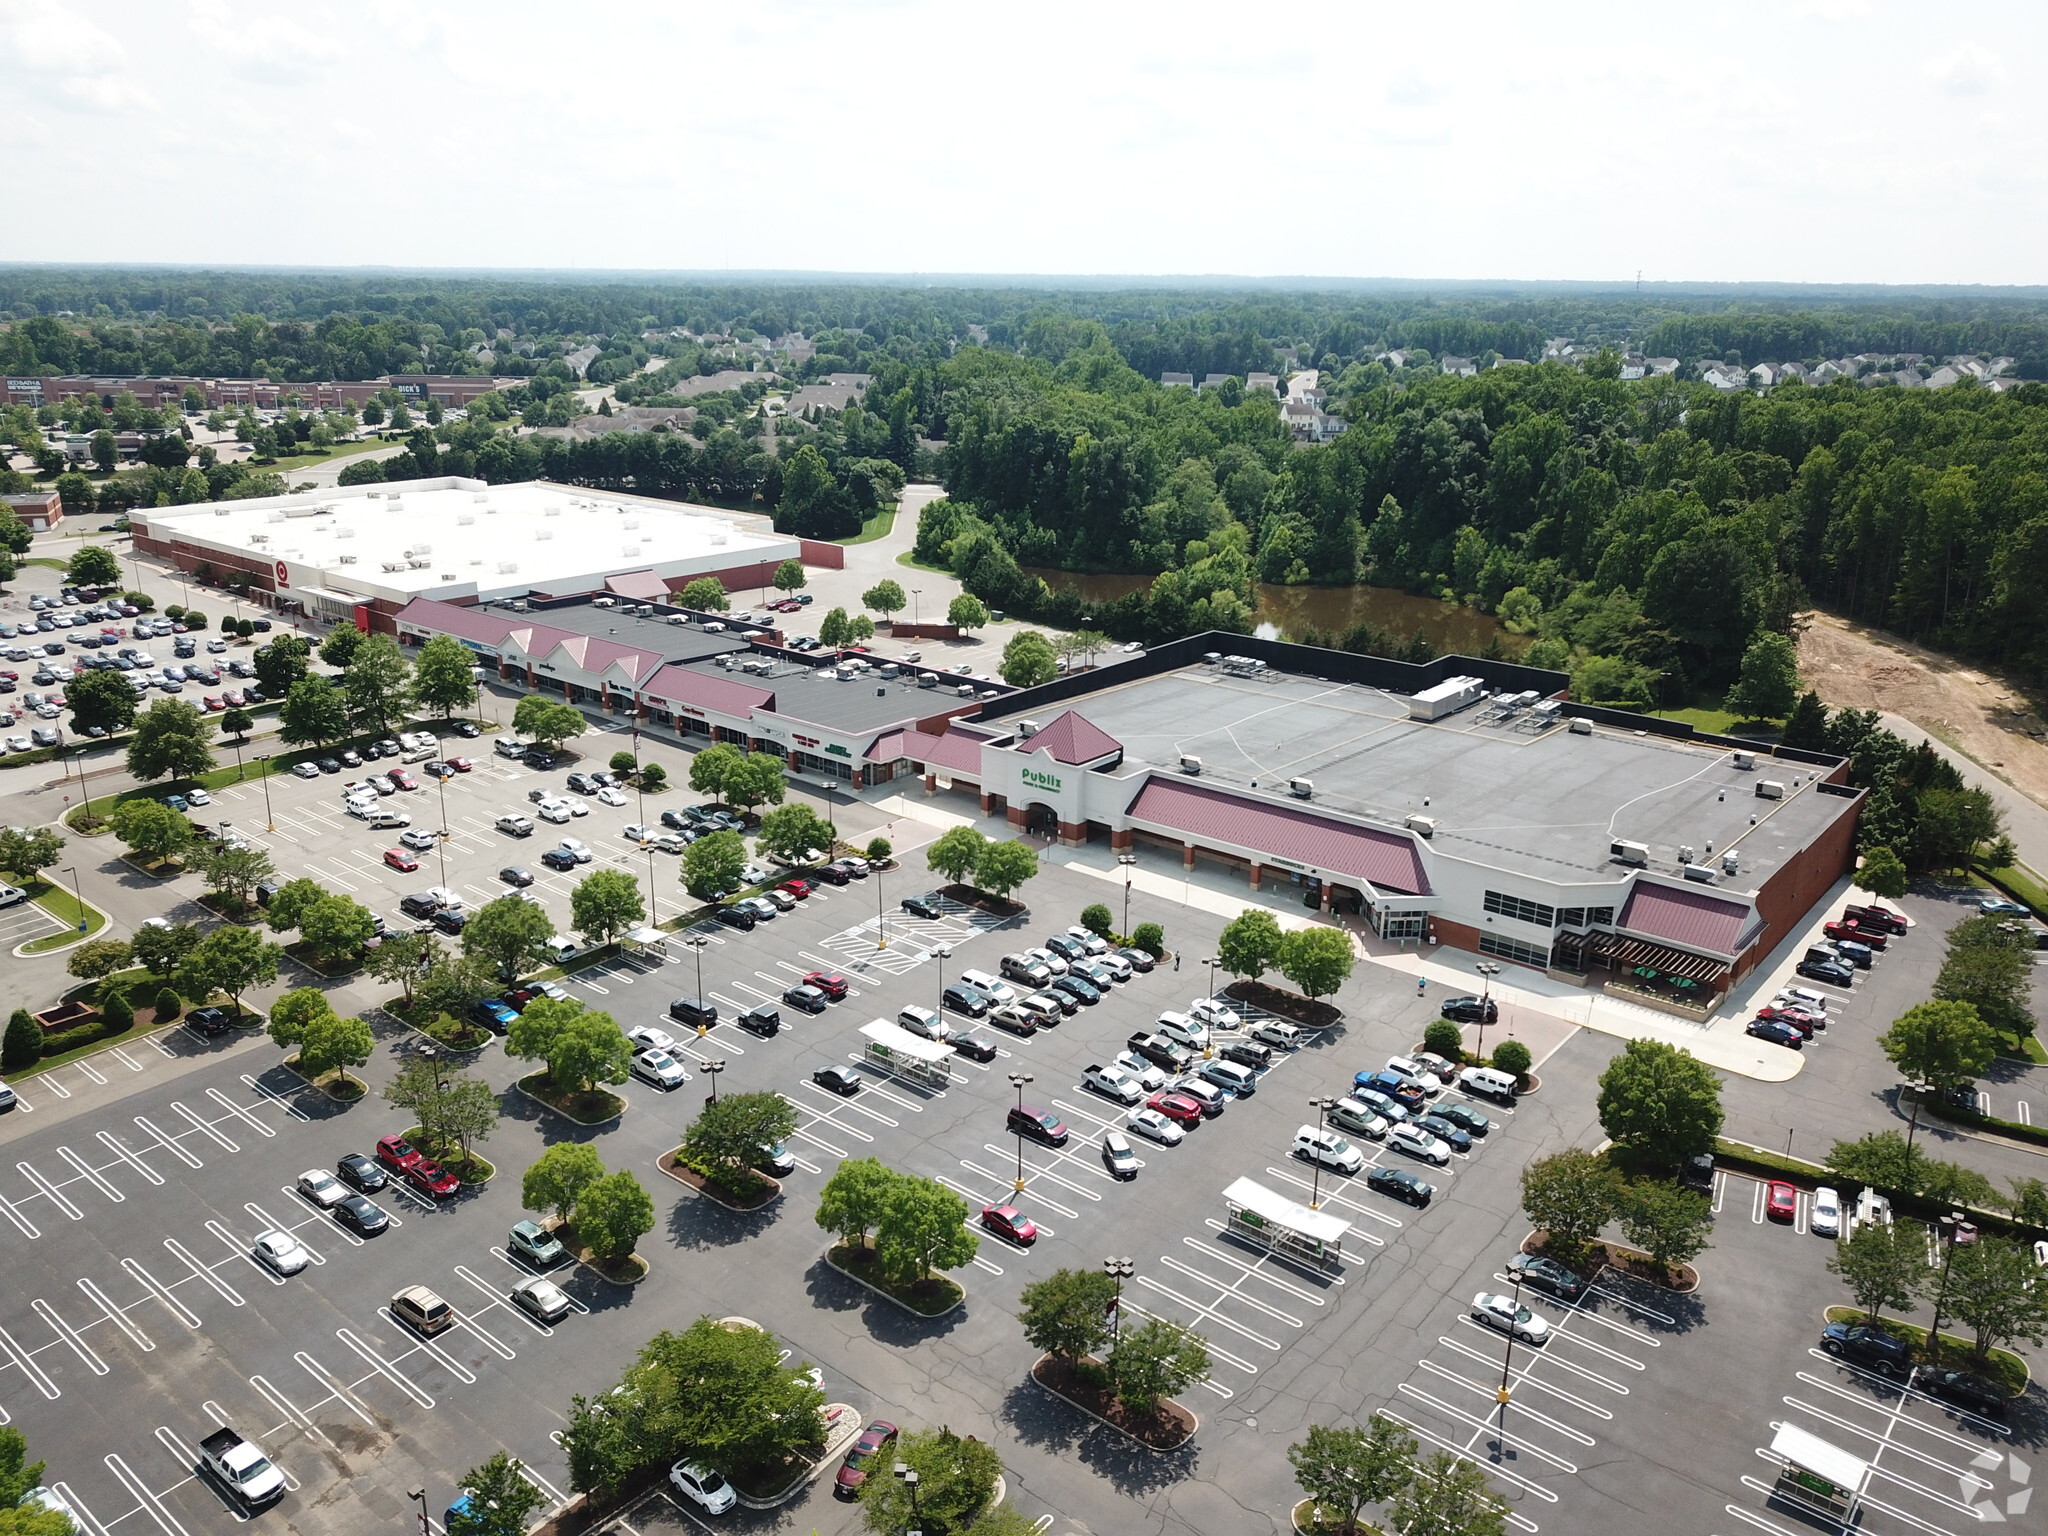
{"x":630,"y":523}
{"x":394,"y":565}
{"x":507,"y":567}
{"x":1731,"y":862}
{"x":1422,"y":826}
{"x":447,"y":575}
{"x":480,"y":496}
{"x":222,"y":511}
{"x":629,"y":550}
{"x":343,"y":531}
{"x":1702,"y":873}
{"x":1548,"y":708}
{"x":718,"y":539}
{"x":1769,"y":789}
{"x":346,"y":560}
{"x":1212,"y":658}
{"x":464,"y":520}
{"x":1745,"y":760}
{"x":259,"y":538}
{"x":418,"y":565}
{"x":273,"y":517}
{"x":1581,"y":727}
{"x":1630,"y":853}
{"x":551,"y":512}
{"x":1685,"y":853}
{"x":1026,"y":729}
{"x":1192,"y":765}
{"x":1302,"y":789}
{"x":544,"y":535}
{"x":986,"y":693}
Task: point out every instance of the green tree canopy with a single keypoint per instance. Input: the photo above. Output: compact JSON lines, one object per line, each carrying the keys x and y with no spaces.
{"x":706,"y":593}
{"x":1768,"y":687}
{"x":1571,"y":1195}
{"x":605,"y":904}
{"x":151,"y":828}
{"x":885,"y":597}
{"x":1344,"y":1468}
{"x":1661,"y":1102}
{"x":281,"y":663}
{"x":710,"y":765}
{"x":713,"y":863}
{"x":170,"y":740}
{"x":613,"y":1213}
{"x":1449,"y":1496}
{"x":25,"y":852}
{"x":1003,"y":865}
{"x":547,"y":721}
{"x":338,"y":928}
{"x":509,"y":933}
{"x":339,"y":648}
{"x":333,"y":1043}
{"x":1995,"y":1290}
{"x":500,"y":1501}
{"x":230,"y":960}
{"x":760,"y":778}
{"x":101,"y":699}
{"x":789,"y":577}
{"x":967,"y":612}
{"x":1666,"y":1221}
{"x":956,"y":1477}
{"x":1318,"y":960}
{"x":1883,"y":874}
{"x":314,"y":714}
{"x":727,"y":1137}
{"x":377,"y":684}
{"x":1067,"y":1313}
{"x":1884,"y":1265}
{"x":956,"y":853}
{"x":792,"y":831}
{"x":1029,"y":660}
{"x":1249,"y":945}
{"x":93,"y":566}
{"x":444,"y":676}
{"x":853,"y":1199}
{"x":556,"y":1179}
{"x":163,"y":950}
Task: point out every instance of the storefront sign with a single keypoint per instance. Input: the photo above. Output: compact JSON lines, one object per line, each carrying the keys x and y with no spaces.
{"x":834,"y":747}
{"x":1036,"y":780}
{"x":284,"y":576}
{"x":803,"y":741}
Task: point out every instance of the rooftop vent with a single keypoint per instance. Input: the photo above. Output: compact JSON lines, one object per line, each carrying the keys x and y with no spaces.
{"x":1302,"y":789}
{"x":1190,"y":765}
{"x":1731,"y":862}
{"x":1629,"y":853}
{"x":1026,"y":729}
{"x":447,"y":575}
{"x":259,"y":538}
{"x":1422,"y":826}
{"x":1702,"y":873}
{"x":1745,"y":760}
{"x":507,"y":567}
{"x":1581,"y":727}
{"x":346,"y":560}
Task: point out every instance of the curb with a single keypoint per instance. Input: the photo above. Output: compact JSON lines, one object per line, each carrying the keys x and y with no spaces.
{"x":835,"y":1441}
{"x":1061,"y":1397}
{"x":519,"y":1087}
{"x":21,"y":950}
{"x":705,"y":1192}
{"x":903,"y":1306}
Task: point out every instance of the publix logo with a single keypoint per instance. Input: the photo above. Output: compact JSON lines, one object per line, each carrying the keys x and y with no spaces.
{"x":1037,"y":780}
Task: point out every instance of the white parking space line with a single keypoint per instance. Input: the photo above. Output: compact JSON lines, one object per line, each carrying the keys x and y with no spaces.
{"x":204,"y":1127}
{"x":284,"y":1405}
{"x":336,"y":1392}
{"x":202,"y":1273}
{"x":118,"y":1317}
{"x":384,"y":1368}
{"x":69,"y":1335}
{"x":50,"y":1192}
{"x":168,"y":1143}
{"x":1006,"y":1181}
{"x":1036,"y":1170}
{"x":424,"y":1346}
{"x":86,"y":1517}
{"x":239,"y":1249}
{"x":240,"y":1113}
{"x":156,"y":1289}
{"x":149,"y":1502}
{"x":853,"y":1104}
{"x":29,"y":1368}
{"x":271,"y":1223}
{"x":114,"y":1145}
{"x":28,"y":1228}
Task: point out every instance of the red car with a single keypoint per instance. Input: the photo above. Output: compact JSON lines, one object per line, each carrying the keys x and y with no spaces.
{"x":461,"y":764}
{"x":1781,"y":1203}
{"x":233,"y":698}
{"x":869,"y":1452}
{"x":401,"y":779}
{"x":1177,"y":1107}
{"x":831,"y":983}
{"x":432,"y":1179}
{"x":1007,"y":1222}
{"x":1860,"y":934}
{"x":800,"y":889}
{"x":396,"y":1152}
{"x":401,"y":859}
{"x":213,"y":702}
{"x":1798,"y":1018}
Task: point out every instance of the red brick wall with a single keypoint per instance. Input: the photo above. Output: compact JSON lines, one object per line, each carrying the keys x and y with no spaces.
{"x":1787,"y":898}
{"x":1457,"y":935}
{"x":903,"y":629}
{"x":828,"y":557}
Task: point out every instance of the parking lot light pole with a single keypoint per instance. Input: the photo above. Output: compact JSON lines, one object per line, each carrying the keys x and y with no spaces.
{"x":1118,"y":1270}
{"x":697,"y":941}
{"x":714,"y":1068}
{"x":1017,"y":1081}
{"x":1212,"y":962}
{"x":1487,"y":970}
{"x":419,"y":1497}
{"x":269,"y":816}
{"x":908,"y":1478}
{"x":881,"y":916}
{"x":1954,"y":1221}
{"x":1322,"y":1108}
{"x":1500,"y":1433}
{"x":1127,"y":860}
{"x":72,"y":871}
{"x":942,"y":952}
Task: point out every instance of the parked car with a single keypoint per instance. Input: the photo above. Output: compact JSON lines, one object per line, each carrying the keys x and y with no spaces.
{"x":360,"y":1172}
{"x":1327,"y":1148}
{"x":1962,"y":1390}
{"x":1177,"y":1107}
{"x":1157,"y":1125}
{"x":1400,"y":1184}
{"x":530,"y":1241}
{"x":870,"y":1453}
{"x":1867,"y":1346}
{"x":843,"y":1081}
{"x":1471,"y":1010}
{"x":702,"y":1487}
{"x":1777,"y":1032}
{"x":1417,"y":1142}
{"x":1010,"y":1224}
{"x":807,"y":998}
{"x":961,"y":998}
{"x":1510,"y":1317}
{"x":1825,"y":1217}
{"x":1781,"y":1201}
{"x":1546,"y":1274}
{"x":1119,"y":1156}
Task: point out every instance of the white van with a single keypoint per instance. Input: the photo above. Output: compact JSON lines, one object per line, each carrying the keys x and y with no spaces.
{"x":509,"y":746}
{"x":1488,"y":1083}
{"x":1803,"y":997}
{"x":562,"y":949}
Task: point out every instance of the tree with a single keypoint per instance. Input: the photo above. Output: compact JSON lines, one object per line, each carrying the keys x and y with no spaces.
{"x":339,"y":648}
{"x":1449,"y":1496}
{"x":1067,"y":1313}
{"x":1250,"y":943}
{"x":444,"y":676}
{"x":1884,"y":1264}
{"x":652,"y":776}
{"x":557,"y":1178}
{"x":237,"y":723}
{"x":709,"y":767}
{"x":1003,"y":865}
{"x":757,"y":779}
{"x":1989,"y":966}
{"x":1883,"y":874}
{"x":1151,"y":938}
{"x":1807,"y":726}
{"x":2028,"y":1202}
{"x":163,"y":950}
{"x":1995,"y":1289}
{"x":1444,"y":1038}
{"x":98,"y":958}
{"x":885,"y":597}
{"x":833,"y":630}
{"x":1768,"y":688}
{"x":230,"y":960}
{"x":706,"y":594}
{"x":967,"y":612}
{"x":721,"y":1392}
{"x":1098,"y":920}
{"x":859,"y":629}
{"x":1660,"y":1102}
{"x":789,"y":577}
{"x":956,"y":853}
{"x":314,"y":713}
{"x":1939,"y":1046}
{"x":613,"y":1214}
{"x":151,"y":828}
{"x":1883,"y":1159}
{"x":233,"y":873}
{"x":170,"y":738}
{"x":1029,"y":660}
{"x":282,"y":663}
{"x":1156,"y":1360}
{"x":498,"y":1501}
{"x":547,"y":721}
{"x":93,"y":566}
{"x":338,"y":928}
{"x":956,"y":1477}
{"x":1666,"y":1221}
{"x":923,"y":1227}
{"x":726,"y":1138}
{"x":292,"y":1014}
{"x":1571,"y":1195}
{"x":712,"y":865}
{"x":22,"y":1045}
{"x":103,"y":700}
{"x":792,"y":832}
{"x":853,"y":1199}
{"x":377,"y":683}
{"x":1318,"y":960}
{"x":605,"y":904}
{"x":1345,"y":1469}
{"x":330,"y":1044}
{"x":1513,"y":1058}
{"x":582,"y":1047}
{"x":17,"y":1473}
{"x":879,"y":850}
{"x":402,"y":958}
{"x":510,"y":933}
{"x":291,"y":901}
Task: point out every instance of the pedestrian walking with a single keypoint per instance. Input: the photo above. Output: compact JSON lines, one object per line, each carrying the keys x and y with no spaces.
{"x":1176,"y":961}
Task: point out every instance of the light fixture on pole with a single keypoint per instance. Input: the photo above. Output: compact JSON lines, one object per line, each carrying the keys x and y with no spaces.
{"x":72,"y":871}
{"x":269,"y":816}
{"x":1322,"y":1108}
{"x":1118,"y":1270}
{"x":1955,"y":1221}
{"x":714,"y":1068}
{"x":908,"y":1479}
{"x":1017,"y":1081}
{"x":1128,"y":860}
{"x":419,"y":1496}
{"x":1212,"y":962}
{"x":1500,"y":1433}
{"x":942,"y":952}
{"x":1488,"y":970}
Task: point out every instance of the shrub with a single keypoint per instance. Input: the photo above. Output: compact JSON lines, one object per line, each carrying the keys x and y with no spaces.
{"x":117,"y":1012}
{"x":1149,"y":937}
{"x":1098,"y":920}
{"x":880,"y":850}
{"x":22,"y":1046}
{"x":1513,"y":1056}
{"x":168,"y":1004}
{"x":71,"y":1039}
{"x":1445,"y":1039}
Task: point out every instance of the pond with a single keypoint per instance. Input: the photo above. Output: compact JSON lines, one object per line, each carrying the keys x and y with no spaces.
{"x":1284,"y":612}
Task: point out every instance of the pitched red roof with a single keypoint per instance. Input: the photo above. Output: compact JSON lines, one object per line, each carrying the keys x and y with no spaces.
{"x":1386,"y":860}
{"x":641,"y":586}
{"x":956,"y":750}
{"x":486,"y":626}
{"x":678,"y":684}
{"x":594,"y":655}
{"x":1074,"y":740}
{"x":1692,"y":918}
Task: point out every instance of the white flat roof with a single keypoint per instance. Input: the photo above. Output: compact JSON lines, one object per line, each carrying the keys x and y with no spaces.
{"x":452,"y":538}
{"x":1815,"y":1455}
{"x":1291,"y":1214}
{"x":903,"y":1043}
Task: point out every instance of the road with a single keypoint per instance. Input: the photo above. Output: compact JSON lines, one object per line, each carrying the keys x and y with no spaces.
{"x":2025,"y":821}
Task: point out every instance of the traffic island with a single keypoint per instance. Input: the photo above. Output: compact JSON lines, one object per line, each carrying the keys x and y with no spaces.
{"x":336,"y":1083}
{"x":629,"y":1269}
{"x":586,"y":1106}
{"x":1309,"y":1520}
{"x":472,"y":1170}
{"x":763,"y":1192}
{"x":2002,"y":1368}
{"x":1680,"y":1279}
{"x":770,"y":1487}
{"x":920,"y":1298}
{"x":1309,"y":1012}
{"x":1083,"y":1385}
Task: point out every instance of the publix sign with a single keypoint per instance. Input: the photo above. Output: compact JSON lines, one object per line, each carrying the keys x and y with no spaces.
{"x":1033,"y":779}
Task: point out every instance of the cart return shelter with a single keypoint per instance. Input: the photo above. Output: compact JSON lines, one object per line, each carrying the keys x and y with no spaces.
{"x":360,"y":554}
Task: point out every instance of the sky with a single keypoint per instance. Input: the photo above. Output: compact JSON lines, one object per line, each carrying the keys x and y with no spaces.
{"x":1825,"y":141}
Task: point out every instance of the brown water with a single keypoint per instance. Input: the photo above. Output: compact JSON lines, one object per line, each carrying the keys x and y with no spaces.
{"x":1284,"y":612}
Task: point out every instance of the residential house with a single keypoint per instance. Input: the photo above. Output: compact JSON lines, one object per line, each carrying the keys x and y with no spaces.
{"x":1828,"y":372}
{"x":1211,"y":380}
{"x":1307,"y":386}
{"x":1463,"y":367}
{"x":1661,"y":367}
{"x":580,"y":360}
{"x":1261,"y":384}
{"x":1944,"y":376}
{"x":1558,"y":348}
{"x":1323,"y":427}
{"x":1723,"y":376}
{"x":834,"y":392}
{"x":1633,"y":367}
{"x":1177,"y":380}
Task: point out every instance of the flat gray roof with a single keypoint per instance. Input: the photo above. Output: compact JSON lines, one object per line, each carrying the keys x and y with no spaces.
{"x":816,"y":696}
{"x":674,"y":642}
{"x":1507,"y":793}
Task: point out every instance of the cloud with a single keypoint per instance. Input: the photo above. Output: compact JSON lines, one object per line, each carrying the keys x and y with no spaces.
{"x":62,"y":55}
{"x":1969,"y":71}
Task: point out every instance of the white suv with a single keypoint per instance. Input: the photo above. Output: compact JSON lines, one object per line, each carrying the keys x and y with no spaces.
{"x":986,"y":984}
{"x":1327,"y":1148}
{"x":1182,"y":1030}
